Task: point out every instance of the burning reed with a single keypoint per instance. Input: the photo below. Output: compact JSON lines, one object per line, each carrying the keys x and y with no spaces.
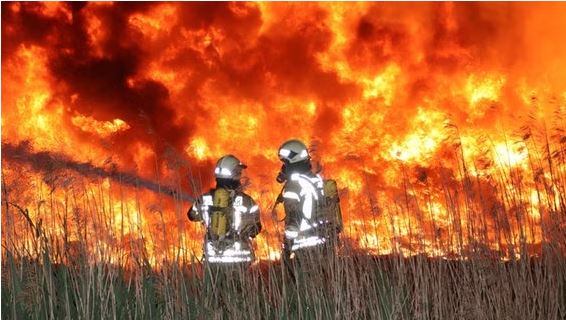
{"x":86,"y":262}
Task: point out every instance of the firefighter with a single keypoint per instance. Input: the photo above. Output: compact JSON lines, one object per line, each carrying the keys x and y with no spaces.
{"x":230,"y":216}
{"x":312,"y":211}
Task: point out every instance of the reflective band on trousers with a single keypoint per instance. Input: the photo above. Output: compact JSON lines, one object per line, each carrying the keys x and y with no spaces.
{"x":222,"y":259}
{"x":307,"y":242}
{"x":231,"y":254}
{"x":234,"y":250}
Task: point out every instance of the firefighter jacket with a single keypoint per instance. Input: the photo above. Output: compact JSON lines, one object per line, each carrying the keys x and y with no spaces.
{"x":231,"y":219}
{"x":303,"y":195}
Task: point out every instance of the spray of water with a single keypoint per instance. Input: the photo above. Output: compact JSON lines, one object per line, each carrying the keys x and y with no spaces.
{"x":45,"y":161}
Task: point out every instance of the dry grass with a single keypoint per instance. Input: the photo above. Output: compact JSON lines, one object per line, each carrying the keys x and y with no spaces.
{"x":345,"y":286}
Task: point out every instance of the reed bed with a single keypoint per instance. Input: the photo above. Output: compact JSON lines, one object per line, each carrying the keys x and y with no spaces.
{"x":510,"y":266}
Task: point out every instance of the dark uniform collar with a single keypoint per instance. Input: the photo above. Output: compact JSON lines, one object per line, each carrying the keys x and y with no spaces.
{"x":228,"y":184}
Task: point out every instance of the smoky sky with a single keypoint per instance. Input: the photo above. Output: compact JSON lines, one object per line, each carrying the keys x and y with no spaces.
{"x":257,"y":62}
{"x":102,"y":82}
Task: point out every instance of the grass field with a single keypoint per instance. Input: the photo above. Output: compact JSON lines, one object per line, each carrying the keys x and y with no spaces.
{"x":352,"y":285}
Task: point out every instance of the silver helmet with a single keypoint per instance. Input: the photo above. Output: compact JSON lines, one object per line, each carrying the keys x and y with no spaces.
{"x":229,"y":167}
{"x":293,"y":151}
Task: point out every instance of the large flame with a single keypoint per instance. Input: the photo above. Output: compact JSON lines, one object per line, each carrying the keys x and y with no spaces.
{"x":441,"y":122}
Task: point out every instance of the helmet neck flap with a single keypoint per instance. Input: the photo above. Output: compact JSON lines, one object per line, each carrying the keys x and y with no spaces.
{"x":228,"y":183}
{"x":289,"y":168}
